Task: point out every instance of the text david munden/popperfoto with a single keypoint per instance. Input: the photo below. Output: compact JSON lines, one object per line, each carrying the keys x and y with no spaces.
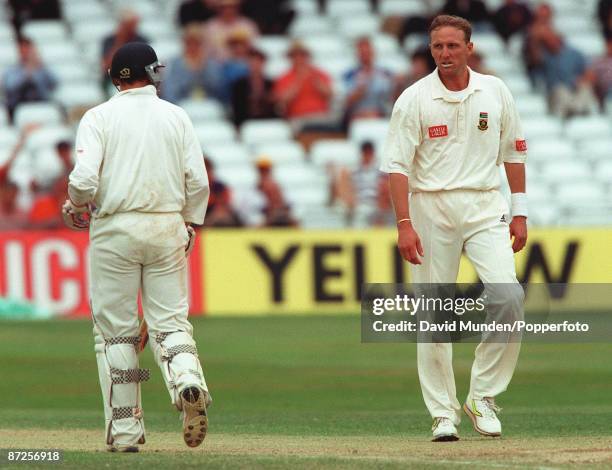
{"x":518,"y":326}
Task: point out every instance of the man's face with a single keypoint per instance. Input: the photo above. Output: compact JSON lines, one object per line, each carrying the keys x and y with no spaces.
{"x":365,"y":52}
{"x":450,"y":51}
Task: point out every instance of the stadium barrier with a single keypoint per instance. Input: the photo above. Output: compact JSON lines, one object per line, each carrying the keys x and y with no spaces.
{"x":237,"y":272}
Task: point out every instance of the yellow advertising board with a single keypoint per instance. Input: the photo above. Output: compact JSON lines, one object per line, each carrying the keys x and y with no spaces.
{"x":309,"y":271}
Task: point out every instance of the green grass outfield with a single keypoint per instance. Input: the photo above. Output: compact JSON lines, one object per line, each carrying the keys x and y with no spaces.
{"x":303,"y":392}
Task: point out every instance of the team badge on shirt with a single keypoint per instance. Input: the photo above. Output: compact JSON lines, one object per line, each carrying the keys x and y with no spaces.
{"x":483,"y":121}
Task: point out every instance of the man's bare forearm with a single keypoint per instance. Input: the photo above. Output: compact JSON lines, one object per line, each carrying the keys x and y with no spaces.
{"x":515,"y":172}
{"x":398,"y":186}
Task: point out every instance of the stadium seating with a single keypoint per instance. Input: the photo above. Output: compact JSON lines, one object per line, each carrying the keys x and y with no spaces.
{"x":564,"y":157}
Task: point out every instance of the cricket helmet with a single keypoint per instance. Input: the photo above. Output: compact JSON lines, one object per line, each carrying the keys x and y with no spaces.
{"x":135,"y":61}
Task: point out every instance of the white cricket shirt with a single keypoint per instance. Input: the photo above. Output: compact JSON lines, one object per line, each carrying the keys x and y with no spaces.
{"x":137,"y":152}
{"x":443,"y":140}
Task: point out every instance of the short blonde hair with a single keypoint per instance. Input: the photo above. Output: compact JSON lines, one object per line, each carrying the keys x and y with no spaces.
{"x":454,"y":21}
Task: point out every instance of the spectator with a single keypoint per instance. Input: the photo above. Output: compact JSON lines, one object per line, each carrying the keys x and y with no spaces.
{"x":604,"y":12}
{"x":357,"y":190}
{"x":196,"y":11}
{"x":46,"y":211}
{"x":476,"y":63}
{"x":511,"y":18}
{"x":475,"y":11}
{"x":271,"y":16}
{"x":127,"y":31}
{"x":252,"y":95}
{"x":220,"y":212}
{"x":421,"y":65}
{"x":304,"y":92}
{"x":227,"y":22}
{"x":369,"y":87}
{"x":11,"y":216}
{"x":277,"y":212}
{"x":28,"y":10}
{"x":193,"y":74}
{"x":600,"y":74}
{"x":567,"y":83}
{"x":533,"y":48}
{"x":27,"y":81}
{"x":45,"y":178}
{"x":237,"y":64}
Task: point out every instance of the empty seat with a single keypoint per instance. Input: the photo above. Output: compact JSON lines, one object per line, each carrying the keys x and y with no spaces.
{"x":331,"y":46}
{"x":402,"y":8}
{"x":532,"y":106}
{"x":202,"y":110}
{"x":275,"y":67}
{"x":580,"y":192}
{"x":45,"y":30}
{"x":281,"y":153}
{"x":335,"y":152}
{"x":307,"y":197}
{"x":48,"y":136}
{"x":603,"y":171}
{"x":46,"y":166}
{"x":79,"y":95}
{"x":305,"y":7}
{"x":374,"y":130}
{"x":157,"y":28}
{"x":93,"y":31}
{"x":8,"y":54}
{"x":238,"y":176}
{"x":299,"y":177}
{"x":60,"y":52}
{"x":584,"y":128}
{"x":354,"y":26}
{"x":83,"y":11}
{"x":570,"y":173}
{"x":215,"y":132}
{"x":385,"y":44}
{"x":304,"y":26}
{"x":590,"y":43}
{"x":166,"y":49}
{"x":344,"y":8}
{"x":488,"y":44}
{"x":540,"y":129}
{"x":551,"y":151}
{"x":273,"y":46}
{"x":596,"y":149}
{"x":518,"y":85}
{"x":72,"y":71}
{"x":265,"y":130}
{"x":38,"y":113}
{"x":228,"y":153}
{"x":8,"y":139}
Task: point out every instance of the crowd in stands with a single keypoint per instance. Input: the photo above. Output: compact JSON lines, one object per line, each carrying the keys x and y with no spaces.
{"x":220,"y":60}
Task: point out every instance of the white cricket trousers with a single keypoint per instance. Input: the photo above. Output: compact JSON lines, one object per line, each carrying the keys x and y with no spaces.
{"x":132,"y":252}
{"x":449,"y":222}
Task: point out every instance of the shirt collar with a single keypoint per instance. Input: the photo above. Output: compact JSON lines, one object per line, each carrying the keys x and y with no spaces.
{"x":145,"y":90}
{"x":438,"y":90}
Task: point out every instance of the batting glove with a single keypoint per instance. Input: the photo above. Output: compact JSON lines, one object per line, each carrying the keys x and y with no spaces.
{"x":76,"y":217}
{"x":191,"y":242}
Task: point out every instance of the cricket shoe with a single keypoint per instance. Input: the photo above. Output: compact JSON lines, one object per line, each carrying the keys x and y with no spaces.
{"x":483,"y":414}
{"x":195,"y":420}
{"x":444,"y":430}
{"x":121,"y":448}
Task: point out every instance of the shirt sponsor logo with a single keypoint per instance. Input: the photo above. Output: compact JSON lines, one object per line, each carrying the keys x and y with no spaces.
{"x":521,"y":146}
{"x":438,"y":131}
{"x":483,"y":121}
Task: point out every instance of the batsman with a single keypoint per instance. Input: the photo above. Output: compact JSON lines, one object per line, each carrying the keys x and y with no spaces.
{"x":138,"y":183}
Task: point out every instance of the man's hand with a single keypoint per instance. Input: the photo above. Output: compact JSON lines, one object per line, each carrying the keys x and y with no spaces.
{"x":144,"y":336}
{"x":409,"y":243}
{"x":518,"y":230}
{"x":191,"y":242}
{"x":76,"y":217}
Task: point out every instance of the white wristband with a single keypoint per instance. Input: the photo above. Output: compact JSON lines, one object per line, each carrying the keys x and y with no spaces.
{"x":519,"y":204}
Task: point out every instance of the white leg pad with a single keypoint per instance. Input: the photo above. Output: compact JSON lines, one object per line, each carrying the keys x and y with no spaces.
{"x":120,"y":380}
{"x":177,"y":357}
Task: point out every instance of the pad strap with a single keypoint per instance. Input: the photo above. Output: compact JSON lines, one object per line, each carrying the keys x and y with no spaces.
{"x":179,"y":349}
{"x":127,"y":412}
{"x":124,"y":376}
{"x":123,"y":340}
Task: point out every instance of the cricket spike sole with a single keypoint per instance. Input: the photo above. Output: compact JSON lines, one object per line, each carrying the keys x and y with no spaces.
{"x":195,"y":419}
{"x":472,"y":416}
{"x":446,"y":438}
